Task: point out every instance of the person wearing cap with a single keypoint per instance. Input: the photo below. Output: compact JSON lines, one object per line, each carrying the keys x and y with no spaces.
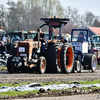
{"x":63,"y":39}
{"x":41,"y":36}
{"x":81,"y":37}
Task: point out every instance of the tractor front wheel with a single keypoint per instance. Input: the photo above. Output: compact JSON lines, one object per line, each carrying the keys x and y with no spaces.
{"x":41,"y":65}
{"x":10,"y":67}
{"x":77,"y":66}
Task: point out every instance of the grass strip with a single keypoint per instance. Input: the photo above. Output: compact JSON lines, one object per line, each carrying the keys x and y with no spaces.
{"x":18,"y":93}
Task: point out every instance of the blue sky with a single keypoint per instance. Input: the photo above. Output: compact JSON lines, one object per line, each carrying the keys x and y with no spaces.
{"x":81,"y":5}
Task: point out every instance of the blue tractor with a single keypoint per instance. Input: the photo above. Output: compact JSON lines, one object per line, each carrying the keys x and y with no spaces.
{"x":84,"y":57}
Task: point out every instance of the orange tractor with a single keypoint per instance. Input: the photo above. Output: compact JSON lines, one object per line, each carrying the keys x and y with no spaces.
{"x":55,"y":57}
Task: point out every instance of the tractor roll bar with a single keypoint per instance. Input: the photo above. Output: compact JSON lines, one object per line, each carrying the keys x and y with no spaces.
{"x":50,"y":27}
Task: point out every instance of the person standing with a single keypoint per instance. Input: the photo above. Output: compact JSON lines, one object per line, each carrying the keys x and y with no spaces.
{"x":3,"y":49}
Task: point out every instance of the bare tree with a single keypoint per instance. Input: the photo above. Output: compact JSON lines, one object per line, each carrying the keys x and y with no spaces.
{"x":96,"y":23}
{"x":2,"y":16}
{"x":72,"y":14}
{"x":12,"y":15}
{"x":52,"y":8}
{"x":26,"y":14}
{"x":87,"y":20}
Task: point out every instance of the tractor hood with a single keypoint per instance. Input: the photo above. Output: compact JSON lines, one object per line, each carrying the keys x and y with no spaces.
{"x":25,"y":48}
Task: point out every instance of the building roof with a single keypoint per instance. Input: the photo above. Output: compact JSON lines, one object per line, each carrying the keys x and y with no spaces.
{"x":95,"y":30}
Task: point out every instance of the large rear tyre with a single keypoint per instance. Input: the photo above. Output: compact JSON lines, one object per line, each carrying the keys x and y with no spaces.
{"x":41,"y":65}
{"x":91,"y":61}
{"x":67,"y":58}
{"x":53,"y":57}
{"x":10,"y":67}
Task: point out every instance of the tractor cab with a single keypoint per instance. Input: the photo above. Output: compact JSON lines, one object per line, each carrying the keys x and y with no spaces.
{"x":96,"y":49}
{"x":31,"y":34}
{"x":96,"y":38}
{"x":79,"y":39}
{"x":16,"y":36}
{"x":13,"y":37}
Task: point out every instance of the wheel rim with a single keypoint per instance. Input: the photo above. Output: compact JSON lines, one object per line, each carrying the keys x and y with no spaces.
{"x":58,"y":57}
{"x":94,"y":63}
{"x":69,"y":60}
{"x":78,"y":67}
{"x":43,"y":65}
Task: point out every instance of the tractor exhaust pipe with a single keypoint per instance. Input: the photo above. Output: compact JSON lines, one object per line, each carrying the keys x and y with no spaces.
{"x":38,"y":36}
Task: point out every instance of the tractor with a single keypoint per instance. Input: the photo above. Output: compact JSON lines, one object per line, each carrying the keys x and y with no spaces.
{"x":84,"y":56}
{"x":3,"y":43}
{"x":96,"y":50}
{"x":96,"y":38}
{"x":2,"y":35}
{"x":57,"y":56}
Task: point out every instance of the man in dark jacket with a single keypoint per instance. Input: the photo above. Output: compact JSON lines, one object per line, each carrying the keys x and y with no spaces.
{"x":63,"y":39}
{"x":43,"y":45}
{"x":81,"y":37}
{"x":3,"y":49}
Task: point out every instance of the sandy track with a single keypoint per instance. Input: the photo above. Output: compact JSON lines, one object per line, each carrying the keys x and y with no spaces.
{"x":73,"y":97}
{"x":5,"y":77}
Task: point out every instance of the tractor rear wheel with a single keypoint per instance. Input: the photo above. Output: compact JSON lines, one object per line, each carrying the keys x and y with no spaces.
{"x":67,"y":58}
{"x":53,"y":57}
{"x":41,"y":65}
{"x":91,"y":61}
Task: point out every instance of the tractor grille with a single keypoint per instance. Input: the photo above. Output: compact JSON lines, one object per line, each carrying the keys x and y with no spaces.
{"x":23,"y":51}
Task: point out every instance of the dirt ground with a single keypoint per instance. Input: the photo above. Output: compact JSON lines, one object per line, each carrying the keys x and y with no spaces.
{"x":5,"y":77}
{"x":74,"y":97}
